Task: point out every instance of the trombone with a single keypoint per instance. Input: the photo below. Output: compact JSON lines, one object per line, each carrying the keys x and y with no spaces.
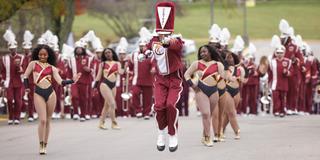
{"x":125,"y":95}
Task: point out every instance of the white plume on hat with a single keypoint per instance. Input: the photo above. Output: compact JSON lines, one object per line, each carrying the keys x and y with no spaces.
{"x":284,"y":27}
{"x":45,"y":38}
{"x":122,"y":46}
{"x":251,"y":50}
{"x":299,"y":42}
{"x":145,"y":36}
{"x":97,"y":45}
{"x":55,"y":42}
{"x":10,"y":38}
{"x":90,"y":36}
{"x":214,"y":33}
{"x":225,"y":36}
{"x":27,"y":39}
{"x":276,"y":44}
{"x":67,"y":51}
{"x":238,"y":44}
{"x":307,"y":48}
{"x":291,"y":31}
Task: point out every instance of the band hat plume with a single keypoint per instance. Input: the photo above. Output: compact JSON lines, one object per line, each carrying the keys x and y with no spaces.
{"x":284,"y":28}
{"x":46,"y":38}
{"x":214,"y":33}
{"x":145,"y":36}
{"x":27,"y":39}
{"x":238,"y":45}
{"x":165,"y":14}
{"x":97,"y":45}
{"x":122,"y":46}
{"x":299,"y":42}
{"x":53,"y":43}
{"x":225,"y":36}
{"x":276,"y":44}
{"x":67,"y":51}
{"x":10,"y":37}
{"x":251,"y":51}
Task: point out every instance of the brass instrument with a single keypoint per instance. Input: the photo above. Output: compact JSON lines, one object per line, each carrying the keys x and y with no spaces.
{"x":125,"y":95}
{"x":265,"y":99}
{"x":316,"y":97}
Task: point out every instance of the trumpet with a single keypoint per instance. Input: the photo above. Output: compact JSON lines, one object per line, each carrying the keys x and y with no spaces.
{"x":265,"y":99}
{"x":125,"y":95}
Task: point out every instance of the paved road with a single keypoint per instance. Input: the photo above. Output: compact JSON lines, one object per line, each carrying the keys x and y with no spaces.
{"x":263,"y":138}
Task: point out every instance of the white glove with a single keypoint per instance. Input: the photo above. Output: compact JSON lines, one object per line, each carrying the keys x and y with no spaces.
{"x":93,"y":84}
{"x":6,"y":84}
{"x":141,"y":57}
{"x":166,"y":40}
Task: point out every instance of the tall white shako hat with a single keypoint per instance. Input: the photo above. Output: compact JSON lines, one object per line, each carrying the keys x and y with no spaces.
{"x":238,"y":45}
{"x":165,"y":13}
{"x":10,"y":38}
{"x":145,"y":36}
{"x":276,"y":44}
{"x":54,"y":43}
{"x":214,"y":33}
{"x":97,"y":45}
{"x":299,"y":42}
{"x":45,"y":38}
{"x":122,"y":46}
{"x":67,"y":51}
{"x":27,"y":40}
{"x":81,"y":43}
{"x":251,"y":51}
{"x":225,"y":36}
{"x":284,"y":28}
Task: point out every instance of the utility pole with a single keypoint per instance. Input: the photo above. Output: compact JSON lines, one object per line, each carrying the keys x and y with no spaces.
{"x":211,"y":12}
{"x":245,"y":26}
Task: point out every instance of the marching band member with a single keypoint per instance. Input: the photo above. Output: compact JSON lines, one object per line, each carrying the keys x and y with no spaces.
{"x":142,"y":77}
{"x":109,"y":69}
{"x":293,"y":53}
{"x":11,"y":74}
{"x":280,"y":70}
{"x":206,"y":89}
{"x":167,"y":52}
{"x":27,"y":45}
{"x":123,"y":106}
{"x":311,"y":77}
{"x":59,"y":110}
{"x":81,"y":63}
{"x":96,"y":95}
{"x":43,"y":70}
{"x":251,"y":88}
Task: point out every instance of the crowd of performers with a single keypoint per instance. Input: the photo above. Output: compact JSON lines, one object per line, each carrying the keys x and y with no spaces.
{"x":154,"y":80}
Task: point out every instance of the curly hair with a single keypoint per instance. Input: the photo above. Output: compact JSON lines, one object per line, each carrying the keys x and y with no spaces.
{"x":84,"y":52}
{"x":51,"y":55}
{"x":213,"y":53}
{"x":235,"y":57}
{"x":114,"y":55}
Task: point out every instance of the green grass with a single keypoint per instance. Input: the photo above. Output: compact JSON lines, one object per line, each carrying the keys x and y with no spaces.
{"x":85,"y":22}
{"x":263,"y":20}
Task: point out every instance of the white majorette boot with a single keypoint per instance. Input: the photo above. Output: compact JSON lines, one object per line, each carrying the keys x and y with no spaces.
{"x":173,"y":143}
{"x":161,"y":140}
